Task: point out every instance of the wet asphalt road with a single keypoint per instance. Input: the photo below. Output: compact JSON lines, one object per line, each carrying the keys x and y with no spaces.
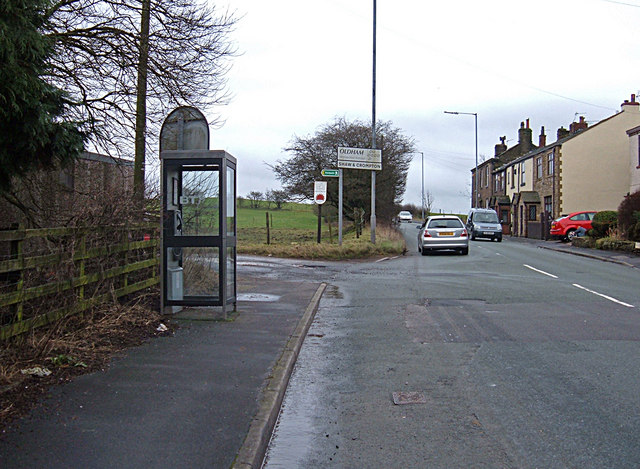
{"x":514,"y":356}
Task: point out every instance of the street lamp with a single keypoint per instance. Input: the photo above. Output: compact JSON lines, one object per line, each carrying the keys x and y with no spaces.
{"x":475,"y":115}
{"x":373,"y":128}
{"x":421,"y":153}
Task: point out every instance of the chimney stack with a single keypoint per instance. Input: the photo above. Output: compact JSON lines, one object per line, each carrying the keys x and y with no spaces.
{"x":542,"y":139}
{"x":575,"y":127}
{"x":525,"y":138}
{"x":562,"y":133}
{"x":501,"y":147}
{"x":633,"y":104}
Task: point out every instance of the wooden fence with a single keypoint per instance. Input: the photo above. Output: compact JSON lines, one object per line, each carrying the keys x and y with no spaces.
{"x":48,"y":274}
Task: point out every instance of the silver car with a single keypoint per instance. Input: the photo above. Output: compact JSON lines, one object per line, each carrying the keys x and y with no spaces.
{"x":443,"y":232}
{"x":405,"y":216}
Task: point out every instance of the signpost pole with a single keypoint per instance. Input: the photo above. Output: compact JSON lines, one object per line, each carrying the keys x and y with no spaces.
{"x":319,"y":223}
{"x":320,"y":197}
{"x":340,"y":207}
{"x":373,"y":207}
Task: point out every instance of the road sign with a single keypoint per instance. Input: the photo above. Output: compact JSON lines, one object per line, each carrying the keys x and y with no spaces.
{"x":359,"y":158}
{"x":331,"y":173}
{"x":320,"y":192}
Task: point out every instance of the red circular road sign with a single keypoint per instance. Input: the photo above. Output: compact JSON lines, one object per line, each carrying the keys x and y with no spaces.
{"x":320,"y":192}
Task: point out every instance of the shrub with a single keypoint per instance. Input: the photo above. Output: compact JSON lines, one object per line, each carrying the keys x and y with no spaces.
{"x":629,"y":212}
{"x":611,"y":244}
{"x":603,"y":221}
{"x":584,"y":242}
{"x":633,"y":233}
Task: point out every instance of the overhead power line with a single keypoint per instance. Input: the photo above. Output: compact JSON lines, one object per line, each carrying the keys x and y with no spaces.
{"x":621,"y":3}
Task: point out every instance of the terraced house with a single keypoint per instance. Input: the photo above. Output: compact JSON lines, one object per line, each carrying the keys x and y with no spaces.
{"x":634,"y":158}
{"x":586,"y":168}
{"x":493,"y":185}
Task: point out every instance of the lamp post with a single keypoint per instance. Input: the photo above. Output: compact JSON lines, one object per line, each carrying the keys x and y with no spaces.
{"x":475,"y":183}
{"x":422,"y":153}
{"x":373,"y":128}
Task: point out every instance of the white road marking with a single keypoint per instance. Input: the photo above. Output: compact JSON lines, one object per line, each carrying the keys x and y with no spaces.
{"x":604,"y":296}
{"x":540,"y":271}
{"x":383,"y":259}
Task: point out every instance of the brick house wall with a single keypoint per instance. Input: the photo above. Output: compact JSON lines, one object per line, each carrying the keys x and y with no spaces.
{"x":546,"y":181}
{"x":56,"y":197}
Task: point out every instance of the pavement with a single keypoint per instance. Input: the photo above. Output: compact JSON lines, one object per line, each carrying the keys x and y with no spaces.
{"x":629,"y":259}
{"x":206,"y":396}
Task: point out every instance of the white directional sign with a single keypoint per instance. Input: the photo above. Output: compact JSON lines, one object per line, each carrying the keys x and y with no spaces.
{"x":320,"y":192}
{"x":359,"y":158}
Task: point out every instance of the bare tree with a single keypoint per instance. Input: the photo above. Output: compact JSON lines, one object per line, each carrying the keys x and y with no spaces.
{"x":309,"y":155}
{"x":428,"y":202}
{"x":278,"y":197}
{"x":124,"y":71}
{"x":254,"y":197}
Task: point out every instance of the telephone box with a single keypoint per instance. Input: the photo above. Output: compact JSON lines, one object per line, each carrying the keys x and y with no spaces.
{"x":198,"y":187}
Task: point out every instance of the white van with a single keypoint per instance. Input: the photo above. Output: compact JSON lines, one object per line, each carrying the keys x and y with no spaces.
{"x":484,"y":223}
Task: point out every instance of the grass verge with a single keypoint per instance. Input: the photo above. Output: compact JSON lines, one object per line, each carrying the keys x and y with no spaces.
{"x":302,"y":244}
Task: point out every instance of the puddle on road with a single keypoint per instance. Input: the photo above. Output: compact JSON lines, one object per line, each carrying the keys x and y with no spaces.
{"x":296,"y":430}
{"x":333,"y":292}
{"x":263,"y":297}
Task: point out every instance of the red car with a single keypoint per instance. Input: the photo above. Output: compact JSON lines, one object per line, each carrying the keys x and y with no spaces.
{"x":565,"y":227}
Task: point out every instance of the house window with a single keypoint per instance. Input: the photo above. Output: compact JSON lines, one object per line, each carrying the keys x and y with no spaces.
{"x":514,"y":171}
{"x":539,"y":167}
{"x":501,"y":181}
{"x":532,"y":213}
{"x":550,"y":161}
{"x":548,"y":205}
{"x":66,"y":179}
{"x":487,"y":176}
{"x":638,"y":150}
{"x":522,"y":173}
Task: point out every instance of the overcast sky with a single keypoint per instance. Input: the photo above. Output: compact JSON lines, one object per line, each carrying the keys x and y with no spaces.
{"x":305,"y":63}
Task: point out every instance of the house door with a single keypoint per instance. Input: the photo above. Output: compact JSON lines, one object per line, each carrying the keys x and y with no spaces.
{"x":521,"y":217}
{"x":505,"y":215}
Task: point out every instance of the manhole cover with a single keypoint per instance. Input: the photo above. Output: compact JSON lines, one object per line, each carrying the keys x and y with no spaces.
{"x":408,"y":397}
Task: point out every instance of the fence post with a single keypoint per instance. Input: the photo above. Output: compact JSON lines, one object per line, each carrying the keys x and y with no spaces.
{"x":268,"y":232}
{"x":125,"y":241}
{"x":83,"y":255}
{"x":17,"y":253}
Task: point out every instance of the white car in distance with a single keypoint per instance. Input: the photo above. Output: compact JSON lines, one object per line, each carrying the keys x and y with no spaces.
{"x":405,"y":216}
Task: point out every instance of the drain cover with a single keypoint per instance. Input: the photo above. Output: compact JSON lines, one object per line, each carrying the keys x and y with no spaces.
{"x":408,"y":397}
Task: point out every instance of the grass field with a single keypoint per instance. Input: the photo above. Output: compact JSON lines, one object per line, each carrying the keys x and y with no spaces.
{"x":291,"y":215}
{"x":293,"y":233}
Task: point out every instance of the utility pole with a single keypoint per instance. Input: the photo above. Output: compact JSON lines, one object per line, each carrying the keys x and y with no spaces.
{"x":141,"y":104}
{"x":422,"y":153}
{"x":373,"y":131}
